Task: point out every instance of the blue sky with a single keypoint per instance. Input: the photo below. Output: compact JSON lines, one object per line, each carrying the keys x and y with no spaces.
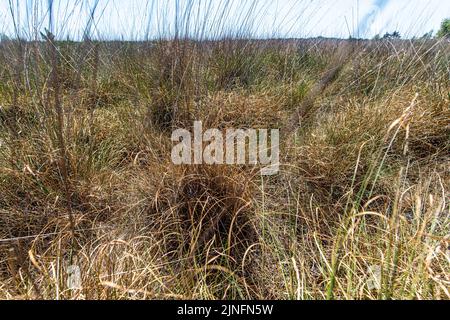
{"x":139,"y":19}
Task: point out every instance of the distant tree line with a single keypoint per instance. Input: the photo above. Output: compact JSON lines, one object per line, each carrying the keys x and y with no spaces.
{"x":444,"y":32}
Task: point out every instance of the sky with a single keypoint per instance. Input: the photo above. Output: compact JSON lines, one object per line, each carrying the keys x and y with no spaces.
{"x":144,"y":19}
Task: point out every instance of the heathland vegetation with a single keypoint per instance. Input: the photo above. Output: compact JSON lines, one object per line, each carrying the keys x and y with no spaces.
{"x":359,"y":209}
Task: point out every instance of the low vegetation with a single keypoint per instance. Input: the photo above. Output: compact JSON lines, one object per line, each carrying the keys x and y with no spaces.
{"x":359,"y":209}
